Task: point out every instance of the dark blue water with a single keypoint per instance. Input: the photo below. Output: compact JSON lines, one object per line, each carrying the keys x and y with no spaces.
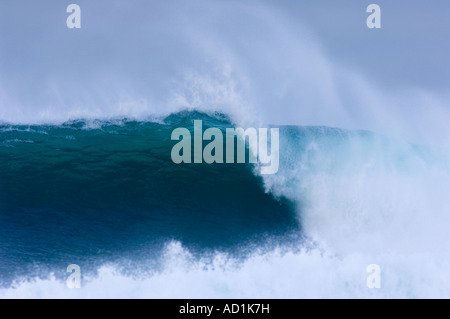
{"x":89,"y":192}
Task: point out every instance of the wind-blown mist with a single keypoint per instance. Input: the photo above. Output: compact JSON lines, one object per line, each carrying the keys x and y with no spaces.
{"x":249,"y":59}
{"x":360,"y":197}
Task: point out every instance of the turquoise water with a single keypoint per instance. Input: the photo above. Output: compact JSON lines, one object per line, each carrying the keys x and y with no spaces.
{"x":90,"y":192}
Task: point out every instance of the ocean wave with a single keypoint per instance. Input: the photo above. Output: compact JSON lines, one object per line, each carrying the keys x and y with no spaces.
{"x":110,"y":199}
{"x":86,"y":175}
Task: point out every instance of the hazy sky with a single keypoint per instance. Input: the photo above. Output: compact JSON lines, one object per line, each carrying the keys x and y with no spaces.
{"x":411,"y":48}
{"x":289,"y":53}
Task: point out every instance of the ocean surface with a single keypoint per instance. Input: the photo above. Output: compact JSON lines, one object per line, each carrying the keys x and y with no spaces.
{"x":105,"y":195}
{"x":101,"y":191}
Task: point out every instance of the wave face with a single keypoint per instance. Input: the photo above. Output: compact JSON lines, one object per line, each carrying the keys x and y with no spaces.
{"x":92,"y":192}
{"x":106,"y":195}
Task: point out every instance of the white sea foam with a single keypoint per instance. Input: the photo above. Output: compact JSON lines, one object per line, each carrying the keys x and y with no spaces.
{"x":308,"y":274}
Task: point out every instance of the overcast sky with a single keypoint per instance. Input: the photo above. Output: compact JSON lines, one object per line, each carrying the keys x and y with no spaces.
{"x":141,"y":48}
{"x":411,"y":48}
